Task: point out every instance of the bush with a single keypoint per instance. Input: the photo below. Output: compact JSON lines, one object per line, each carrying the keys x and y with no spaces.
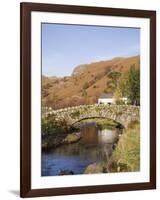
{"x":84,"y":93}
{"x":51,"y":126}
{"x":86,"y":85}
{"x":94,"y":86}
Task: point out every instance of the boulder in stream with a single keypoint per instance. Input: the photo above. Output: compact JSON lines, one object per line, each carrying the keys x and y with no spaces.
{"x":71,"y":138}
{"x":66,"y":172}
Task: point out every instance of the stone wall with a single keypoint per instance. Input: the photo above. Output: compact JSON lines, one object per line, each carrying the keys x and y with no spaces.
{"x":122,"y":114}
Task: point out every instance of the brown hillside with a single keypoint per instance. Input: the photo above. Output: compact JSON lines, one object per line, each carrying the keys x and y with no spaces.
{"x":85,"y":85}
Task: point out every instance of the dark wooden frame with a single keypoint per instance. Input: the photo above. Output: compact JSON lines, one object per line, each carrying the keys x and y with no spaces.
{"x":25,"y":88}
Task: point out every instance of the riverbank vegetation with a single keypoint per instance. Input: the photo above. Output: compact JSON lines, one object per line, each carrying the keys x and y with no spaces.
{"x":126,"y":156}
{"x":50,"y":125}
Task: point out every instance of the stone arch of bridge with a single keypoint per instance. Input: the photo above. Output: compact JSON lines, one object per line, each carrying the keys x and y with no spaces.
{"x":97,"y":117}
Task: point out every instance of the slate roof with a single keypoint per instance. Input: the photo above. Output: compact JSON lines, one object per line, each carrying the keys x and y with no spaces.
{"x":106,"y":96}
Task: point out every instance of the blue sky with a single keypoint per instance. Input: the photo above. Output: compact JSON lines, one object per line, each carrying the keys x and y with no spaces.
{"x":66,"y":46}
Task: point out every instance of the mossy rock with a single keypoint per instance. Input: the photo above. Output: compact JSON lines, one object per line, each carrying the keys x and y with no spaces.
{"x":66,"y":172}
{"x":71,"y":138}
{"x":95,"y":168}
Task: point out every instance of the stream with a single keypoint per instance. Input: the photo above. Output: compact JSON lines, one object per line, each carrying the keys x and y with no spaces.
{"x":95,"y":145}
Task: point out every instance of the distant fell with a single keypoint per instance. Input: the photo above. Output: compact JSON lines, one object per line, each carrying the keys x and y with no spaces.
{"x":86,"y":83}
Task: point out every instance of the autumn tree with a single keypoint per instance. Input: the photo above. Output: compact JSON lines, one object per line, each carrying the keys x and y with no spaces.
{"x":128,"y":85}
{"x":112,"y":82}
{"x":133,"y":85}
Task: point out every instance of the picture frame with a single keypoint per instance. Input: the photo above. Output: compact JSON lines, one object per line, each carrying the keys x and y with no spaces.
{"x":26,"y":40}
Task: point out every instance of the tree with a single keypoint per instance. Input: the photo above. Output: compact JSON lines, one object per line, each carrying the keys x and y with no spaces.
{"x":128,"y":85}
{"x":123,"y":84}
{"x":121,"y":89}
{"x":114,"y":75}
{"x":112,"y":82}
{"x":118,"y":96}
{"x":133,"y":90}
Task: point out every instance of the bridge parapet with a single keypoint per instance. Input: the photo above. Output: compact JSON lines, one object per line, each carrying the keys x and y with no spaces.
{"x":123,"y":114}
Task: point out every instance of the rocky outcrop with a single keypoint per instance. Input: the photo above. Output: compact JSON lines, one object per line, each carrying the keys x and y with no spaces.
{"x":71,"y":138}
{"x":79,"y":69}
{"x":96,"y":168}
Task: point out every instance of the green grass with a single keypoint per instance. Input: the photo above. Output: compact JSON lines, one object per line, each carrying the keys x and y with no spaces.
{"x":101,"y":123}
{"x":126,"y":157}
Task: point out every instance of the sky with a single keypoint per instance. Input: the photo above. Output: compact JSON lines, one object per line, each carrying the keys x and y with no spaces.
{"x":66,"y":46}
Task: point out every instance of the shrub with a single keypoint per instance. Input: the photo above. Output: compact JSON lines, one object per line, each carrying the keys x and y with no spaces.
{"x":94,"y":86}
{"x":86,"y":85}
{"x":51,"y":126}
{"x":84,"y":93}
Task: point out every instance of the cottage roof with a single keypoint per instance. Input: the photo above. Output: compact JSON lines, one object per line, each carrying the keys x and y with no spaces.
{"x":105,"y":96}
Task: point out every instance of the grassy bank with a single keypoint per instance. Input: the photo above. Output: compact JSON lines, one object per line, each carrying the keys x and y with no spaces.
{"x":126,"y":156}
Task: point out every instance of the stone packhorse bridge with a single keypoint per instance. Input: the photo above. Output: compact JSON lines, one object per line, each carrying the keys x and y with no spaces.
{"x":122,"y":114}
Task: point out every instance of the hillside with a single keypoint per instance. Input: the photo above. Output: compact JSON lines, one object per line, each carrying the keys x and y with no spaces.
{"x":86,"y":83}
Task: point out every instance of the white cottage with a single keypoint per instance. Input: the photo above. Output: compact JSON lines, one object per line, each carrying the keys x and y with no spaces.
{"x":106,"y":99}
{"x":109,"y":99}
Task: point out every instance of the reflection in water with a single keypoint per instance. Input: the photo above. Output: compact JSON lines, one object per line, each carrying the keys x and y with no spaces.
{"x":89,"y":135}
{"x":107,"y":136}
{"x":95,"y":145}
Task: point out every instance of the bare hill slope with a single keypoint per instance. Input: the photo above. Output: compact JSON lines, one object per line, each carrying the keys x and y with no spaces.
{"x":86,"y":83}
